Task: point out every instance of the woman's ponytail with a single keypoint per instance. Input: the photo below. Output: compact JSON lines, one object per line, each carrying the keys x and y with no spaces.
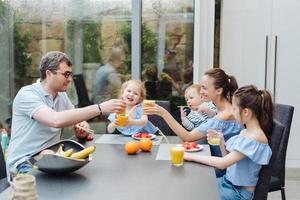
{"x":233,"y":86}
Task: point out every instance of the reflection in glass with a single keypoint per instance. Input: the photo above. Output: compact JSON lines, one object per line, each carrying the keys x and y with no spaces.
{"x":86,"y":30}
{"x":167,"y":64}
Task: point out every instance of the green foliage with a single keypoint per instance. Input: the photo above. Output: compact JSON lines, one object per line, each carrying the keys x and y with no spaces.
{"x":91,"y":42}
{"x":148,"y":46}
{"x":22,"y":59}
{"x":125,"y":31}
{"x":2,"y":8}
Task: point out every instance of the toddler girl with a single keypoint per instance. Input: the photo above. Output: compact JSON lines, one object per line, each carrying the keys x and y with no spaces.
{"x":133,"y":93}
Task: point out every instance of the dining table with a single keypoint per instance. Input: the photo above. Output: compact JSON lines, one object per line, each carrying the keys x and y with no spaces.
{"x":114,"y":175}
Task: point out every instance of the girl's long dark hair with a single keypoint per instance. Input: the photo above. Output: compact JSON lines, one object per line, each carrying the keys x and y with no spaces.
{"x":260,"y":102}
{"x":222,"y":80}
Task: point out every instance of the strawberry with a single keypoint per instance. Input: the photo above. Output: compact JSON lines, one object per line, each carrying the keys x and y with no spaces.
{"x":194,"y":145}
{"x":89,"y":138}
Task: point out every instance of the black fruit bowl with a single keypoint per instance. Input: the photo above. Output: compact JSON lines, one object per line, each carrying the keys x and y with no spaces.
{"x":55,"y":164}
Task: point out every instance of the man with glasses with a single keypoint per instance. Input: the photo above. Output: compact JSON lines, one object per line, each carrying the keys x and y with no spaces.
{"x":40,"y":111}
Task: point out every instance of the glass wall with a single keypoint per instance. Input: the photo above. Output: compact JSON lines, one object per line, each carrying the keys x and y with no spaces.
{"x":167,"y":48}
{"x":92,"y":32}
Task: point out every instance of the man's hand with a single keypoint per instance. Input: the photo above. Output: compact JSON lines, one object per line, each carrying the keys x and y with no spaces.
{"x":112,"y":106}
{"x":81,"y":130}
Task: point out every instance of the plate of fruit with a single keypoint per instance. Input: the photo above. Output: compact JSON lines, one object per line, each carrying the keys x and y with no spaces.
{"x":139,"y":136}
{"x":191,"y":146}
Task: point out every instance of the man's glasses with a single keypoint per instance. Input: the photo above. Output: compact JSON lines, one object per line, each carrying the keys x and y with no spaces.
{"x":66,"y":74}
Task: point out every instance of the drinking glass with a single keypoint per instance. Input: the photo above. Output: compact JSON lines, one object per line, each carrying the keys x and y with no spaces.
{"x":121,"y":119}
{"x":148,"y":103}
{"x":24,"y":187}
{"x":214,"y":136}
{"x":177,"y":153}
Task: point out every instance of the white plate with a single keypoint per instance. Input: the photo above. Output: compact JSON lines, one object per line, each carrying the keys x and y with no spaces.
{"x":138,"y":138}
{"x":199,"y":148}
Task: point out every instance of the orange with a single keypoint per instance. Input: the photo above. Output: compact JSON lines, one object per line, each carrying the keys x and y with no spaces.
{"x":146,"y":144}
{"x":131,"y":147}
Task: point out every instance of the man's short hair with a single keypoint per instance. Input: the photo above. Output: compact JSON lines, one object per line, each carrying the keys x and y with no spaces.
{"x":51,"y":60}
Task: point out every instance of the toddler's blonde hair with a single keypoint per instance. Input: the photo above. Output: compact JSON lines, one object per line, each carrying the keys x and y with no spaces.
{"x":136,"y":82}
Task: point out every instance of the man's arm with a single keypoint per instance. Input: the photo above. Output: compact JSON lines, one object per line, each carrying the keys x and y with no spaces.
{"x":70,"y":117}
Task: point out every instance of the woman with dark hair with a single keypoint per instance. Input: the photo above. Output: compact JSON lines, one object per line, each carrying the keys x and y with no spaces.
{"x":218,"y":87}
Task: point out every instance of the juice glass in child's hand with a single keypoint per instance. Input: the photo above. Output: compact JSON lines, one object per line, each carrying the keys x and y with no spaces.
{"x":213,"y":136}
{"x":177,"y":153}
{"x":149,"y":103}
{"x":121,"y":119}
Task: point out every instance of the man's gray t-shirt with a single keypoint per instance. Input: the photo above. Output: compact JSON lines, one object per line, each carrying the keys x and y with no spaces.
{"x":28,"y":135}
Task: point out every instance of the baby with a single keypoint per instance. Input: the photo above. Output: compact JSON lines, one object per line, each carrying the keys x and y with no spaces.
{"x":201,"y":109}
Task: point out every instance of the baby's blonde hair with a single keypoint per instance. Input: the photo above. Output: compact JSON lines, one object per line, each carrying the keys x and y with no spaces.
{"x":194,"y":86}
{"x":136,"y":82}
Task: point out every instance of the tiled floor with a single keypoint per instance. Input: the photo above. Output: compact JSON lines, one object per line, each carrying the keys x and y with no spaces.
{"x":292,"y":186}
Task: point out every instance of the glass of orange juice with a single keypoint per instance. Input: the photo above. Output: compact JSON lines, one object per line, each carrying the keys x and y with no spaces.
{"x":148,"y":103}
{"x":177,"y":153}
{"x":214,"y":137}
{"x":121,"y":119}
{"x":121,"y":112}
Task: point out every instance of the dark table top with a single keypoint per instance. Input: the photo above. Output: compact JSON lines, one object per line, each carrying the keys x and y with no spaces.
{"x":114,"y":175}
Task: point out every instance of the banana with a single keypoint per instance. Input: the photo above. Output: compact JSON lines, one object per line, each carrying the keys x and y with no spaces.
{"x":68,"y":153}
{"x":84,"y":153}
{"x":60,"y":150}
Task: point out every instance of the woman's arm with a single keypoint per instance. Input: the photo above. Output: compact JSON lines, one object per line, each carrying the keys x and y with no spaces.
{"x":218,"y":162}
{"x":174,"y":125}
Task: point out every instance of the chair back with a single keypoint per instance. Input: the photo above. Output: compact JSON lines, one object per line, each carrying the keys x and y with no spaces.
{"x":284,"y":114}
{"x":263,"y":184}
{"x":160,"y":122}
{"x":2,"y":165}
{"x":150,"y":87}
{"x":164,"y":89}
{"x":83,"y":98}
{"x":3,"y":176}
